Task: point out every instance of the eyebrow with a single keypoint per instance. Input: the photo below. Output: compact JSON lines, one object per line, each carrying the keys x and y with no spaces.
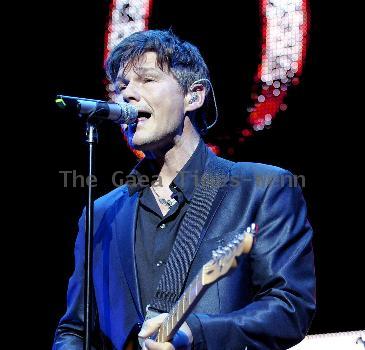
{"x":144,"y":70}
{"x":140,"y":71}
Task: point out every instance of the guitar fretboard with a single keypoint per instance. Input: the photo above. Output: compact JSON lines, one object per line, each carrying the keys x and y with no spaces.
{"x":177,"y":315}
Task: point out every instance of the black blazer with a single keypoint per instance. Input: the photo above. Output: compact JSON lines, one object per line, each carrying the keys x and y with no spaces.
{"x":268,"y":301}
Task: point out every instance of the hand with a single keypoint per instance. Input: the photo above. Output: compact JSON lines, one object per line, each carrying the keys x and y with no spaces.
{"x":181,"y":341}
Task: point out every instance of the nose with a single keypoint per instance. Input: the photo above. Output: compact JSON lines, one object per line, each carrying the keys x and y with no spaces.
{"x":130,"y":93}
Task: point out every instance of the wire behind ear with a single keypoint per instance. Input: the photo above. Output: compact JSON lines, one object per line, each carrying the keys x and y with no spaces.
{"x":214,"y":101}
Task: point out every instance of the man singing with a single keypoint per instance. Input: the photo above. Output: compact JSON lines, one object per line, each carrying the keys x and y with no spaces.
{"x":152,"y":237}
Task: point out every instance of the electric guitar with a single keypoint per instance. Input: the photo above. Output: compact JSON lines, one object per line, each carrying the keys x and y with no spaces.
{"x":222,"y":261}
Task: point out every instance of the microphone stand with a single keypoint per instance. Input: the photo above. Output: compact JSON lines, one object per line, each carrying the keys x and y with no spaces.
{"x":95,"y":111}
{"x":91,"y":139}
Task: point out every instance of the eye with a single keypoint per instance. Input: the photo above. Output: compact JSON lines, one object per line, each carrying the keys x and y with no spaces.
{"x":121,"y":87}
{"x":148,"y":79}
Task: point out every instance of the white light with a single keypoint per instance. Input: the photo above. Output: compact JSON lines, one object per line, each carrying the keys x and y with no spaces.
{"x":283,"y":87}
{"x":121,"y":25}
{"x":261,"y":98}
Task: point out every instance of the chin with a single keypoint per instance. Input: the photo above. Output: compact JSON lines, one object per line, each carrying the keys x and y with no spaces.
{"x":141,"y":143}
{"x":151,"y":145}
{"x":146,"y":140}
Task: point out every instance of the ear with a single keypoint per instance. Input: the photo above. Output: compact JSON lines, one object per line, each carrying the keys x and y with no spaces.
{"x":195,"y":98}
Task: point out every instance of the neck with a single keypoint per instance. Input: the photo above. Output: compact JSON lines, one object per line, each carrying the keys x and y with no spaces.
{"x":172,"y":160}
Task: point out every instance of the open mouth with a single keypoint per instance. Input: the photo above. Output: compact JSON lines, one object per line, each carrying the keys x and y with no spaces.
{"x":143,"y":115}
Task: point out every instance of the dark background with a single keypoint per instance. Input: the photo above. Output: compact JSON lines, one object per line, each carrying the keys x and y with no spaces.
{"x":318,"y":137}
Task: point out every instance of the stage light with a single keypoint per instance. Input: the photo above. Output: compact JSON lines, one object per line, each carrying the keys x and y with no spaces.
{"x":126,"y":17}
{"x":285,"y":27}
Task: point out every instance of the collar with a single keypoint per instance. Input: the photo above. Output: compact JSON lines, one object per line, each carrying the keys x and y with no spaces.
{"x":185,"y":181}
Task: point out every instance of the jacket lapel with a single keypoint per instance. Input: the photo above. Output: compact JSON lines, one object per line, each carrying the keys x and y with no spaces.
{"x":125,"y":226}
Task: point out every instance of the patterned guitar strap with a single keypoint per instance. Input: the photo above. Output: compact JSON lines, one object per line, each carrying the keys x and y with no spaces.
{"x":187,"y":240}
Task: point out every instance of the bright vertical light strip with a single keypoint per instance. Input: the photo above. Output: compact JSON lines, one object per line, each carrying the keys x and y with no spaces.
{"x":285,"y":28}
{"x":125,"y":18}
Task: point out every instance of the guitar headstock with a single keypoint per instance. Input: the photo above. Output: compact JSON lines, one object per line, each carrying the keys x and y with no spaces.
{"x":224,"y":258}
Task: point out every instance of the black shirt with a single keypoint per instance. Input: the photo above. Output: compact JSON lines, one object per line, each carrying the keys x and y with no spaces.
{"x":155,"y":233}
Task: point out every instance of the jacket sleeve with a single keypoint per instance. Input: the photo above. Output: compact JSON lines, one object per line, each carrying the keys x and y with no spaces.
{"x":69,"y":334}
{"x":282,"y":277}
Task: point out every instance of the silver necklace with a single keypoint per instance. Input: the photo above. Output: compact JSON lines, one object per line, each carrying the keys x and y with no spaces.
{"x":166,"y":202}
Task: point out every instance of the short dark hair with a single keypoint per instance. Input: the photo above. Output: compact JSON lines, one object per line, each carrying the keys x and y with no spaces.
{"x":180,"y":57}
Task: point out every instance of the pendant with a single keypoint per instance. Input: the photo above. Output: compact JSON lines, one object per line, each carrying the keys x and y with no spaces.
{"x":168,"y":203}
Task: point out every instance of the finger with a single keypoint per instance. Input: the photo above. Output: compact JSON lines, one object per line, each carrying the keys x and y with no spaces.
{"x":152,"y":325}
{"x":152,"y":345}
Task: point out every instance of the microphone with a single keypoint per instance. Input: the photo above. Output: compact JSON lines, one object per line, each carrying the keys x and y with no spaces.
{"x":120,"y":113}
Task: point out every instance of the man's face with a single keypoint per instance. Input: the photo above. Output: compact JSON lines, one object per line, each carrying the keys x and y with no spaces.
{"x":159,"y":99}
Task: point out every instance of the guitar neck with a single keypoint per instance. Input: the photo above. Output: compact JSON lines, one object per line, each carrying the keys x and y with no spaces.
{"x":181,"y":309}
